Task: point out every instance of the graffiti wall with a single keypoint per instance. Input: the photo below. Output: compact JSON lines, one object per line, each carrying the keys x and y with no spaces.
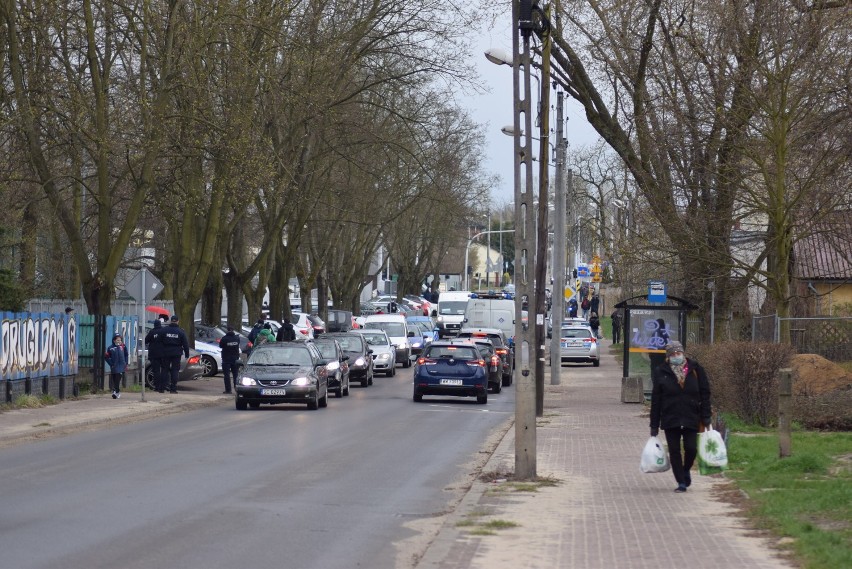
{"x":37,"y":345}
{"x":651,"y":331}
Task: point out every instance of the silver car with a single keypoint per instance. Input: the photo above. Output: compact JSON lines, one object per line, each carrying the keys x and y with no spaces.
{"x":578,"y":344}
{"x":384,"y":353}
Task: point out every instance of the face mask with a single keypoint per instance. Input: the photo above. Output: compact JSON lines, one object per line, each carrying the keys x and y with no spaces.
{"x":677,"y":360}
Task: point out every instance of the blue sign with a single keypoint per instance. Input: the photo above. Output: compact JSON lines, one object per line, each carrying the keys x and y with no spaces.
{"x":582,"y":271}
{"x":656,"y":291}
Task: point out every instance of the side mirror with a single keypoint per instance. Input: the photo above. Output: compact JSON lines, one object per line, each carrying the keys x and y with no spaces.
{"x":240,"y":363}
{"x":410,"y":333}
{"x":434,"y":313}
{"x":369,"y":351}
{"x":413,"y":358}
{"x":345,"y":358}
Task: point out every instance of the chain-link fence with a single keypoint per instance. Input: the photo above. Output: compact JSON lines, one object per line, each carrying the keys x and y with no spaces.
{"x":830,"y":338}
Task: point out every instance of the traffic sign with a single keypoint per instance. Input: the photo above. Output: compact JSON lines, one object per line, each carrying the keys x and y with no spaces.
{"x":143,"y":286}
{"x":569,"y":292}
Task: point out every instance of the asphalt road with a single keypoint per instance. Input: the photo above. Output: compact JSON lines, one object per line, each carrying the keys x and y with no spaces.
{"x":358,"y":484}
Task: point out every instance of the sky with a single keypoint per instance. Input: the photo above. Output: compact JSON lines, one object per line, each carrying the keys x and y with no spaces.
{"x":493,"y":109}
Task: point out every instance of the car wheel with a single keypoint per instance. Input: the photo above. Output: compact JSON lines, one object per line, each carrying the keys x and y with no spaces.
{"x":208,"y":364}
{"x":507,"y":380}
{"x":254,"y":405}
{"x":365,"y":382}
{"x":313,"y":404}
{"x":418,"y":397}
{"x":482,"y":399}
{"x":393,"y":370}
{"x":149,"y":378}
{"x":407,"y":362}
{"x":596,"y":363}
{"x":323,"y":402}
{"x":241,"y":405}
{"x":346,"y":391}
{"x":498,"y":388}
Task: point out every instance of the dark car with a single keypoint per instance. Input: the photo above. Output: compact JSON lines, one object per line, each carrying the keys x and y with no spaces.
{"x":492,"y":360}
{"x":360,"y":356}
{"x":505,"y":351}
{"x":212,"y":334}
{"x":283,"y":372}
{"x":445,"y":368}
{"x":338,"y":364}
{"x":190,"y":369}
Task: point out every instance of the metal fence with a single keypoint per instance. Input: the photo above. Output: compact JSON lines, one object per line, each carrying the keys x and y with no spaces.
{"x":830,"y":338}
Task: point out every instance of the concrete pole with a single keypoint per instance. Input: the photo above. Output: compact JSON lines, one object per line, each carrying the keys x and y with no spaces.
{"x":558,"y":248}
{"x":525,"y":434}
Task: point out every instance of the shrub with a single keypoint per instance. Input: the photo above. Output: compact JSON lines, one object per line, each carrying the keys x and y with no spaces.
{"x":830,"y":411}
{"x":744,"y":378}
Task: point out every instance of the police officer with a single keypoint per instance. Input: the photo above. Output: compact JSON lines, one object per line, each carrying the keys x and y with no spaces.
{"x":230,"y":346}
{"x":174,"y":342}
{"x":154,"y":344}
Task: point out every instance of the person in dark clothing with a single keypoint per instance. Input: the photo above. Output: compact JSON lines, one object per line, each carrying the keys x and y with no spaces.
{"x":155,"y":354}
{"x":616,"y":326}
{"x":393,"y":308}
{"x":230,"y":346}
{"x":116,"y":356}
{"x":258,"y":326}
{"x":679,"y":401}
{"x":659,"y":340}
{"x":286,"y":333}
{"x":595,"y":303}
{"x":174,"y":343}
{"x":595,"y":324}
{"x":572,"y":308}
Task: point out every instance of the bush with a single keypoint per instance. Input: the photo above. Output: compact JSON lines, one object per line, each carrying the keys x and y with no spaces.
{"x":744,"y":378}
{"x":831,"y":411}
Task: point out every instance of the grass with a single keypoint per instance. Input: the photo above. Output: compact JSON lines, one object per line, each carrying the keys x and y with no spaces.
{"x":33,"y":401}
{"x":806,"y":497}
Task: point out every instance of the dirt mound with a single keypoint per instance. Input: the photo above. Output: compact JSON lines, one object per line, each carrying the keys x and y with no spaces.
{"x":815,"y":375}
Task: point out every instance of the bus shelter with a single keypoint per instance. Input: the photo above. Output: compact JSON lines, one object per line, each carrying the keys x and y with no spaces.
{"x":648,"y":327}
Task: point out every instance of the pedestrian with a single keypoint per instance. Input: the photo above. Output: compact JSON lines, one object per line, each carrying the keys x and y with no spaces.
{"x":230,"y":346}
{"x":69,"y":311}
{"x":680,"y":405}
{"x":393,"y":308}
{"x":154,"y":345}
{"x":595,"y":324}
{"x":572,"y":308}
{"x":659,"y":340}
{"x":265,"y":335}
{"x":116,"y":356}
{"x":595,"y":303}
{"x":258,"y":326}
{"x":585,"y":306}
{"x":616,"y":326}
{"x":174,"y":343}
{"x":286,"y":333}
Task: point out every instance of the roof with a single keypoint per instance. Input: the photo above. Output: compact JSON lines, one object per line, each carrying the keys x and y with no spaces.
{"x":826,"y":254}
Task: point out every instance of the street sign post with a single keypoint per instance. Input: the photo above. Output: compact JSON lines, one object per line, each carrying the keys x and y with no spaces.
{"x":142,"y":286}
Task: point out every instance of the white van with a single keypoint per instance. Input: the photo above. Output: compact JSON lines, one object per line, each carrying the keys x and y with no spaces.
{"x":397,"y":330}
{"x":491,"y":311}
{"x":450,"y":312}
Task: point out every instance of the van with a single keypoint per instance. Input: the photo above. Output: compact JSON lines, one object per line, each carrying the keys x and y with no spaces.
{"x":450,"y":312}
{"x":491,"y":311}
{"x":397,"y":330}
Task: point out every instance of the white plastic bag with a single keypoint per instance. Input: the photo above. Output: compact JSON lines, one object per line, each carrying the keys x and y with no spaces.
{"x":655,"y":457}
{"x":712,"y":453}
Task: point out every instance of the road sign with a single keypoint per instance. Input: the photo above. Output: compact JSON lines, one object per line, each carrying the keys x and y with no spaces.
{"x":569,"y":292}
{"x":582,"y":271}
{"x":596,"y":278}
{"x":656,"y":291}
{"x":143,"y":286}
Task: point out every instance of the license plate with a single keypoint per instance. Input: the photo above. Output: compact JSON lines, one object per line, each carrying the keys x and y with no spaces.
{"x":451,"y":382}
{"x":273,"y":392}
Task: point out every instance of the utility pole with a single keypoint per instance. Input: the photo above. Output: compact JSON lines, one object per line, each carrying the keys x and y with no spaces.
{"x":558,"y":248}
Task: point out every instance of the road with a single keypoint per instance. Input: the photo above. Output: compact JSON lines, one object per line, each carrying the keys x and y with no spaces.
{"x":361,"y":483}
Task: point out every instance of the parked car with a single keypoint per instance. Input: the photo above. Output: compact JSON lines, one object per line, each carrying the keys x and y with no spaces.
{"x":578,"y":344}
{"x":211,"y":357}
{"x":283,"y":372}
{"x":503,"y":349}
{"x":384,"y":353}
{"x":190,"y":369}
{"x":360,"y":356}
{"x":337,"y":366}
{"x":446,"y":368}
{"x":492,"y":360}
{"x":317,"y":323}
{"x":212,"y":334}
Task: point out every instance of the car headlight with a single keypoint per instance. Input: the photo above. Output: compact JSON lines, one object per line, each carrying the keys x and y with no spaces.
{"x":246,"y":380}
{"x":301,"y":381}
{"x":333,"y":366}
{"x":416,"y":343}
{"x":383,"y":357}
{"x":360,"y":362}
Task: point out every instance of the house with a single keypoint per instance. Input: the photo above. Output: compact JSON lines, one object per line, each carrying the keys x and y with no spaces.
{"x":822,"y":268}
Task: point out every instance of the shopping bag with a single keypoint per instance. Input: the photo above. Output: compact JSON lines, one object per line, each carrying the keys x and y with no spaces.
{"x":712,"y":454}
{"x":655,"y":458}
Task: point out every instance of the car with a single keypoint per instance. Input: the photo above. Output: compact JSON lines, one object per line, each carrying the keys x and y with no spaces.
{"x":492,"y":360}
{"x":384,"y":353}
{"x":338,"y":365}
{"x":211,"y":357}
{"x":190,"y":369}
{"x":578,"y":344}
{"x":317,"y":323}
{"x":398,"y":332}
{"x":450,"y":312}
{"x":446,"y":368}
{"x":503,"y":349}
{"x":283,"y":372}
{"x":424,"y":334}
{"x":212,"y":334}
{"x":301,"y":325}
{"x":360,"y":356}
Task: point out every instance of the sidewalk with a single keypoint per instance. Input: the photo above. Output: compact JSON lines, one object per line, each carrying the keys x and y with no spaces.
{"x":88,"y":411}
{"x":604,"y":512}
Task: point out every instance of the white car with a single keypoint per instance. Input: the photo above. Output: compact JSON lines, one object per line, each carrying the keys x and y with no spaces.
{"x":303,"y":327}
{"x":211,"y":357}
{"x":578,"y":344}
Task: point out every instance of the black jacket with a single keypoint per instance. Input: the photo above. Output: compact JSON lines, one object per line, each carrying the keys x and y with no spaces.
{"x":286,"y":333}
{"x":153,"y":343}
{"x":672,"y":406}
{"x":230,"y":345}
{"x":174,"y":341}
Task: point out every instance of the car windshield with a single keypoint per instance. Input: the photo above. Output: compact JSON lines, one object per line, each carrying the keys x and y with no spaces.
{"x":494,"y":338}
{"x":376,"y":339}
{"x":394,"y":329}
{"x":452,"y":306}
{"x":297,"y":356}
{"x":350,"y":343}
{"x":327,"y":349}
{"x":576,"y":333}
{"x":456,"y":352}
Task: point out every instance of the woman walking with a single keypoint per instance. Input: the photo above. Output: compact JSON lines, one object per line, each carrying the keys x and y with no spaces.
{"x":679,"y":401}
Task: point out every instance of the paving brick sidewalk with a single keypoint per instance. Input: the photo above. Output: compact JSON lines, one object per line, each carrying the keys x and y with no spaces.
{"x":604,"y":513}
